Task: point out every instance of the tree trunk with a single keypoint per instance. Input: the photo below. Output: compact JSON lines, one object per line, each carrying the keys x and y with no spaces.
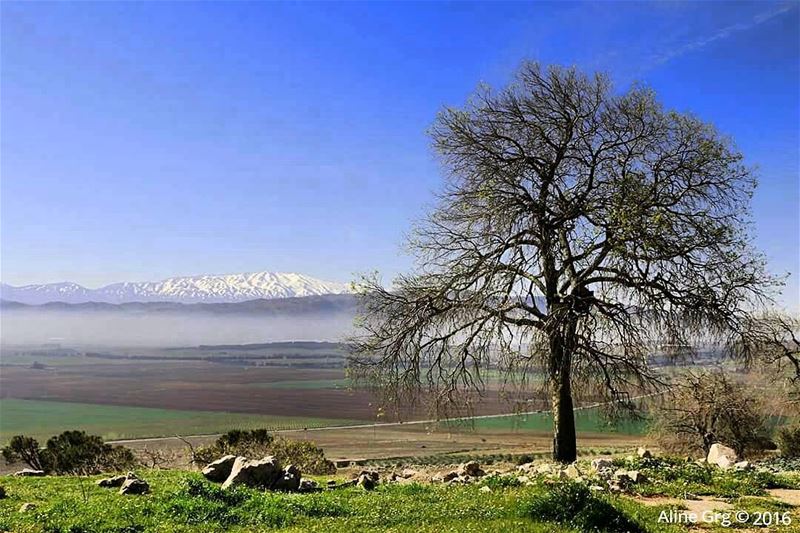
{"x":565,"y":447}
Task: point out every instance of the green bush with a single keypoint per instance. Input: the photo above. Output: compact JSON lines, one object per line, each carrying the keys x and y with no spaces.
{"x":247,"y":443}
{"x":573,"y":504}
{"x":25,"y":449}
{"x":524,"y":458}
{"x":789,"y":441}
{"x":71,"y":452}
{"x":306,"y":455}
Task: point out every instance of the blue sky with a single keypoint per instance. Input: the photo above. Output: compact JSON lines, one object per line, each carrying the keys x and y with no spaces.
{"x":146,"y":140}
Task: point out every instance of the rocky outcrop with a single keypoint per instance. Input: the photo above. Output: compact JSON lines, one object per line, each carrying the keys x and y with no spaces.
{"x":261,"y":473}
{"x":219,"y":470}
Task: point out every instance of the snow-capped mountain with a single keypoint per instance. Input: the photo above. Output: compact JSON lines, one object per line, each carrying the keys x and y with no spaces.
{"x":190,"y":289}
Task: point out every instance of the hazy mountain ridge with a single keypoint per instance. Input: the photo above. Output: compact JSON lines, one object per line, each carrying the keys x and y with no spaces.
{"x":317,"y":304}
{"x":229,"y":288}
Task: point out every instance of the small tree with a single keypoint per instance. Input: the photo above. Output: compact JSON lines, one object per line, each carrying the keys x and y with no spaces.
{"x":27,"y":450}
{"x":580,"y":229}
{"x":71,"y":452}
{"x":708,"y":407}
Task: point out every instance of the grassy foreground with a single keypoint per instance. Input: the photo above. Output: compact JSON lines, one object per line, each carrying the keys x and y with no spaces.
{"x":183,"y":501}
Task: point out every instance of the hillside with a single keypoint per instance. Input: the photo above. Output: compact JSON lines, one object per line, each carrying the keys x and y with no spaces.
{"x":315,"y":304}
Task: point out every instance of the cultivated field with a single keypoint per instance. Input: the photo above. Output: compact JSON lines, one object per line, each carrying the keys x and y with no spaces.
{"x":42,"y":419}
{"x":124,"y":393}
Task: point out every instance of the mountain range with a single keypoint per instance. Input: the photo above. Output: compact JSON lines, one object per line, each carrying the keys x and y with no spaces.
{"x":229,"y":288}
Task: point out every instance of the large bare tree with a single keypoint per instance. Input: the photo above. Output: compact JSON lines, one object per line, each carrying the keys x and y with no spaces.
{"x":578,"y":230}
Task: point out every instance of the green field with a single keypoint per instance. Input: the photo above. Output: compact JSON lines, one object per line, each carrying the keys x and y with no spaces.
{"x":586,"y":421}
{"x":42,"y":419}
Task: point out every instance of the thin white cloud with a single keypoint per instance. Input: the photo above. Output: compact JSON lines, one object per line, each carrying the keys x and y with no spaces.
{"x":719,"y":35}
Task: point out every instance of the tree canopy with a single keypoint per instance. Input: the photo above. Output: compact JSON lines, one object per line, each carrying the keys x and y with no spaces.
{"x":579,"y":230}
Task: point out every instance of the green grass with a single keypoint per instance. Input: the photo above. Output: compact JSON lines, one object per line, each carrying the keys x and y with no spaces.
{"x":586,"y":421}
{"x":183,"y":502}
{"x":678,"y":478}
{"x":42,"y":419}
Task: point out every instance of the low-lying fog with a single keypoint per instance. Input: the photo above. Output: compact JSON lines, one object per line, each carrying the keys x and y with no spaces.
{"x":166,"y":329}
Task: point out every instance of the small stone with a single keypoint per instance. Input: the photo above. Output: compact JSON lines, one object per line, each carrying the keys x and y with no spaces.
{"x":365,"y":482}
{"x":485,"y":489}
{"x":572,"y":472}
{"x":307,"y":485}
{"x":29,"y":472}
{"x":134,"y":485}
{"x":374,"y":474}
{"x":470,"y":468}
{"x":526,"y":467}
{"x":408,"y":472}
{"x":289,"y":480}
{"x":601,"y":464}
{"x":743,"y":465}
{"x":449,"y":476}
{"x":635,"y":476}
{"x":644,"y":453}
{"x":523,"y":479}
{"x":26,"y":507}
{"x":108,"y":482}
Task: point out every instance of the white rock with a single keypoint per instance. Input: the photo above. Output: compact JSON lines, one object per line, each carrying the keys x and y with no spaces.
{"x":722,"y":456}
{"x":220,"y":469}
{"x":261,"y":473}
{"x":572,"y":472}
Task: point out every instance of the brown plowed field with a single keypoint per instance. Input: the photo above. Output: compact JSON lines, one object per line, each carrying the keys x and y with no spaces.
{"x":202,"y":386}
